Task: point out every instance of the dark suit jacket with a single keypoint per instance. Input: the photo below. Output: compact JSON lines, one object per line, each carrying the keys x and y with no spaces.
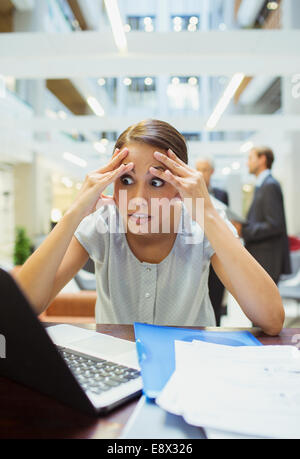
{"x":221,"y":195}
{"x":265,"y":233}
{"x":215,"y":286}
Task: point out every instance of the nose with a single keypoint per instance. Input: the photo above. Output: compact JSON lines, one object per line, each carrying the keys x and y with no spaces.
{"x":139,"y":200}
{"x":141,"y":191}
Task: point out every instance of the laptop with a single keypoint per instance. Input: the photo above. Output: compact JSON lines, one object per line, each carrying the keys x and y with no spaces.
{"x":89,"y":371}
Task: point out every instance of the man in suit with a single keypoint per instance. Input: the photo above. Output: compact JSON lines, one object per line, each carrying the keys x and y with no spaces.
{"x":215,"y":286}
{"x":265,"y":233}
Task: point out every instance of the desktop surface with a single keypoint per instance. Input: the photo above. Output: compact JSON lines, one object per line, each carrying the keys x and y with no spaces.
{"x":25,"y":413}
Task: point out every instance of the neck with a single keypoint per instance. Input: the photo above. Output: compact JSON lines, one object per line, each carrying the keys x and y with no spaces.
{"x":260,"y":171}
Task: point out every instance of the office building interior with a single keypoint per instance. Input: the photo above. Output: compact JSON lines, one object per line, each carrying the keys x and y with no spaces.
{"x":74,"y":74}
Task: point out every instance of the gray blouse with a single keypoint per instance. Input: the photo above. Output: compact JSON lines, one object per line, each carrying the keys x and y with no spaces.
{"x":172,"y":292}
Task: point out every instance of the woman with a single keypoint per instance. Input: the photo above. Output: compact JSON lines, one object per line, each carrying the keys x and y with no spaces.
{"x":144,"y":271}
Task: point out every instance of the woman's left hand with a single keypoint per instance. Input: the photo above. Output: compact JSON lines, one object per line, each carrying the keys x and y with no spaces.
{"x":189,"y":183}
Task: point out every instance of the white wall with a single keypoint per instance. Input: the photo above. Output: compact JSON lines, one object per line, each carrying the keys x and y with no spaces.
{"x":33,"y":196}
{"x":6,"y":211}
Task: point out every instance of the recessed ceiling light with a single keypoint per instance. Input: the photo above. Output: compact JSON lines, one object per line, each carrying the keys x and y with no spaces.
{"x":114,"y":16}
{"x":74,"y":159}
{"x":272,"y":6}
{"x":192,"y":81}
{"x":223,"y":103}
{"x":95,"y":106}
{"x":148,"y":81}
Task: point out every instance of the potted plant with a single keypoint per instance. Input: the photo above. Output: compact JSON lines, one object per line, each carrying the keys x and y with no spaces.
{"x":22,"y":249}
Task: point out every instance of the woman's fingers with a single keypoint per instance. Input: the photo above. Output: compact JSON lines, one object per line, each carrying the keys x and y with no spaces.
{"x":167,"y":176}
{"x":173,"y":156}
{"x":116,"y":152}
{"x":174,"y":166}
{"x":117,"y":157}
{"x":110,"y":176}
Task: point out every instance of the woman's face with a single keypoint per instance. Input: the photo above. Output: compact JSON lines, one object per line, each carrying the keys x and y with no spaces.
{"x":144,"y":200}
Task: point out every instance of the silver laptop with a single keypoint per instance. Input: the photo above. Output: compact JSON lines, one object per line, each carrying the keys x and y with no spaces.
{"x":90,"y":371}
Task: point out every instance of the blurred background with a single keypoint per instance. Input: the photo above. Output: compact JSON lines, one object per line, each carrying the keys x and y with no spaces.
{"x":75,"y":73}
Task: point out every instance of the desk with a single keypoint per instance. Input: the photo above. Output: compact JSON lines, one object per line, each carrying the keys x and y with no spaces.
{"x":25,"y":413}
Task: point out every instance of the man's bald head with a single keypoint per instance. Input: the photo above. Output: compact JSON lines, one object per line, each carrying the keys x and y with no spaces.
{"x":206,"y":167}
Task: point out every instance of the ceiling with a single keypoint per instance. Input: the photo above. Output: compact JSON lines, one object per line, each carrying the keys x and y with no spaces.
{"x":78,"y":13}
{"x":195,"y":123}
{"x":6,"y":16}
{"x":93,"y":54}
{"x":6,"y":6}
{"x":64,"y":90}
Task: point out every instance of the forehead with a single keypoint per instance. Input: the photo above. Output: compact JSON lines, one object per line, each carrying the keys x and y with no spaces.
{"x":252,"y":154}
{"x":204,"y":164}
{"x":142,"y":155}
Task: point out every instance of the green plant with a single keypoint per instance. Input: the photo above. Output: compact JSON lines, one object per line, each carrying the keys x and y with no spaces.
{"x":22,"y":249}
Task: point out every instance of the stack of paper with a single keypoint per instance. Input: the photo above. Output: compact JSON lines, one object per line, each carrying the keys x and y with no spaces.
{"x":247,"y":390}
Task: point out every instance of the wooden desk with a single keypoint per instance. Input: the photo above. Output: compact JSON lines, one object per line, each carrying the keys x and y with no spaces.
{"x":25,"y":413}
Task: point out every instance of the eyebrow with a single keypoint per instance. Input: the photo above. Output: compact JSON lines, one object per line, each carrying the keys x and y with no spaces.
{"x":155,"y":167}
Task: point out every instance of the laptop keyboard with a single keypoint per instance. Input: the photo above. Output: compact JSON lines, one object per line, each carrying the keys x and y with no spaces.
{"x":97,"y":375}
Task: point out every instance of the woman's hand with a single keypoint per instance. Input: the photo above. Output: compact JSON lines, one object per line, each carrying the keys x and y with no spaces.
{"x":189,"y":183}
{"x":95,"y":182}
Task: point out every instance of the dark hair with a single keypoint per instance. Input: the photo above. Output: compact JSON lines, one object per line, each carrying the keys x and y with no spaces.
{"x":156,"y":133}
{"x":268,"y":153}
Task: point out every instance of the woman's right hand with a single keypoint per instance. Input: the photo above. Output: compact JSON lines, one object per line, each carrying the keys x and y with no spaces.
{"x":96,"y":181}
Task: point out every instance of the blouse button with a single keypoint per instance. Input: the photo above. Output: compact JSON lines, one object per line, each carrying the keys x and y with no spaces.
{"x":147,"y":295}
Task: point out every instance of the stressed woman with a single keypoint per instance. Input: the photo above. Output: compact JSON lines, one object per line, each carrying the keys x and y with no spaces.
{"x":152,"y":241}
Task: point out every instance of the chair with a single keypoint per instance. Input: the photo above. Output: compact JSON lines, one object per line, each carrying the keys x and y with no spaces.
{"x":69,"y":307}
{"x":290,"y":290}
{"x":85,"y":280}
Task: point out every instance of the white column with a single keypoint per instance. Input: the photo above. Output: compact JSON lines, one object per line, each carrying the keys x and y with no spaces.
{"x":163,"y":16}
{"x":32,"y":20}
{"x":205,"y":80}
{"x":33,"y":187}
{"x":229,"y":20}
{"x":162,"y":82}
{"x":121,"y":97}
{"x":205,"y":8}
{"x":291,"y":105}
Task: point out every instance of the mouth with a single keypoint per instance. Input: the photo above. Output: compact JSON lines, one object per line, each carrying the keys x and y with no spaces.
{"x":139,"y":218}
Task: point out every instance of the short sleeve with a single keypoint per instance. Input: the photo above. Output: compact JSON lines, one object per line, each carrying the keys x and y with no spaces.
{"x":208,"y":249}
{"x":92,"y":233}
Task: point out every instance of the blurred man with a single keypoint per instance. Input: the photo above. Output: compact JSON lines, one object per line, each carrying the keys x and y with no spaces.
{"x":265,"y":233}
{"x":206,"y":167}
{"x":216,"y":288}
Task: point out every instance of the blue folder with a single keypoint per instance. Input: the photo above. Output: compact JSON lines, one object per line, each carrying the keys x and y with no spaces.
{"x":156,"y":350}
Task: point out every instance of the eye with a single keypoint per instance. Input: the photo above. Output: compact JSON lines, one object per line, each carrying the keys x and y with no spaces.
{"x":157,"y":183}
{"x":126,"y":180}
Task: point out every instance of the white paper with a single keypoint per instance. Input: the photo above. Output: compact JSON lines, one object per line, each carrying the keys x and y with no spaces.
{"x":248,"y":390}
